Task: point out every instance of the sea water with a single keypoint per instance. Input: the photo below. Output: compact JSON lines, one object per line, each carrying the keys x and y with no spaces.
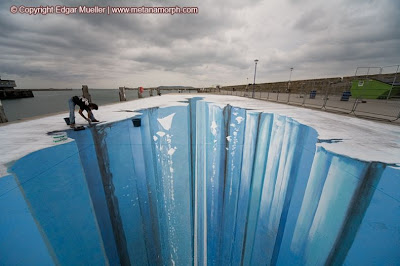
{"x":50,"y":102}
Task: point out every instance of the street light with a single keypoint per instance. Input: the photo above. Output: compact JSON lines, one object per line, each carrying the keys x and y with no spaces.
{"x":290,"y":76}
{"x":255,"y":71}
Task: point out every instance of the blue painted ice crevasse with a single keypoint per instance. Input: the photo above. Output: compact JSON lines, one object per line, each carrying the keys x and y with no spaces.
{"x":53,"y":184}
{"x":170,"y":158}
{"x":200,"y":184}
{"x":18,"y":230}
{"x":286,"y":146}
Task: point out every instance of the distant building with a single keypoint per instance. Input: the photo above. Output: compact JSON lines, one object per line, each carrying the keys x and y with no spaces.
{"x":7,"y":84}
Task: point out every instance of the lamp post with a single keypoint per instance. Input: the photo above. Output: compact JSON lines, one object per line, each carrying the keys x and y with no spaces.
{"x":290,"y":76}
{"x":255,"y":71}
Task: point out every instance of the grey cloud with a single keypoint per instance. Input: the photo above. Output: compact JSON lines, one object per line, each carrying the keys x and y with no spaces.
{"x":312,"y":20}
{"x":90,"y":35}
{"x":220,"y":43}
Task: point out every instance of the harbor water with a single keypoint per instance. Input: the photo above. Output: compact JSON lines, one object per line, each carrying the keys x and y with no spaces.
{"x":50,"y":102}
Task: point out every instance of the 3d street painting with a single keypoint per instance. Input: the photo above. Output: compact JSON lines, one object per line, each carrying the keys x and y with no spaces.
{"x":196,"y":184}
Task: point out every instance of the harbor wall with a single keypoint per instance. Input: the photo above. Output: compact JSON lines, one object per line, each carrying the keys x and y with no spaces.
{"x":336,"y":85}
{"x":15,"y":94}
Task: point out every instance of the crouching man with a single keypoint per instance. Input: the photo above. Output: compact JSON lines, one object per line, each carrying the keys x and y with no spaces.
{"x":83,"y":104}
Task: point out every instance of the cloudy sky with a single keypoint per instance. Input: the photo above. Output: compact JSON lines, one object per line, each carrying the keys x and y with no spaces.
{"x":217,"y":46}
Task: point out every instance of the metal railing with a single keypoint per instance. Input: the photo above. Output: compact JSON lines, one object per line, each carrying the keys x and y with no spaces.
{"x":328,"y":99}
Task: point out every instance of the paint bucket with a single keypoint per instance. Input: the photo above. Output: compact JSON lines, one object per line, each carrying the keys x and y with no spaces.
{"x":59,"y":137}
{"x":136,"y":122}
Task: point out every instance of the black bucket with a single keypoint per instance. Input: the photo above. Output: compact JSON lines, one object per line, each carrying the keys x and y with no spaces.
{"x":136,"y":122}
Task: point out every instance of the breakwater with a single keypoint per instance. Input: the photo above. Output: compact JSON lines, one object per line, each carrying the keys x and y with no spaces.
{"x":15,"y":94}
{"x":336,"y":84}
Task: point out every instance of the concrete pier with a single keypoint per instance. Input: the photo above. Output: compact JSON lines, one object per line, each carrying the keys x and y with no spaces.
{"x":211,"y":179}
{"x":15,"y":94}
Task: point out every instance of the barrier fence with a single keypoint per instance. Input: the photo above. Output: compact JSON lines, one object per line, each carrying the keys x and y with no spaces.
{"x":328,"y":99}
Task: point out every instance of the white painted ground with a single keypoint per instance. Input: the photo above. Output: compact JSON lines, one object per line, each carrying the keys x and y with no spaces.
{"x":362,"y":139}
